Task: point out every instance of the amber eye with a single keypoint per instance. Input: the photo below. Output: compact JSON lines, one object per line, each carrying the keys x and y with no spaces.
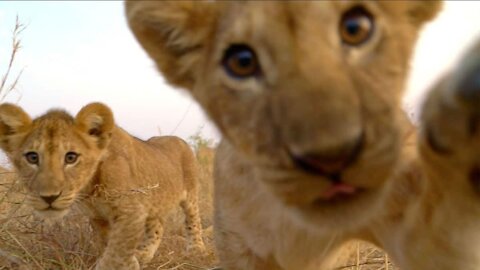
{"x":356,"y":26}
{"x":71,"y":157}
{"x":32,"y":158}
{"x":240,"y":61}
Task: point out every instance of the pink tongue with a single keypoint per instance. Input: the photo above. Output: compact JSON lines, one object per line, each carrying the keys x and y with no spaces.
{"x":338,"y":189}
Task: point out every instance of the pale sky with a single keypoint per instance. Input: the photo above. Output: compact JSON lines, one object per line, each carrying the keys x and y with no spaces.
{"x":78,"y":52}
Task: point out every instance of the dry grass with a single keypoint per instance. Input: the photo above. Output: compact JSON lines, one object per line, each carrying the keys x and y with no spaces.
{"x":27,"y":243}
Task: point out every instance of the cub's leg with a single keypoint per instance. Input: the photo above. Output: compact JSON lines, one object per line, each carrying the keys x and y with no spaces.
{"x":190,"y":202}
{"x":192,"y":223}
{"x":450,"y":153}
{"x":100,"y":228}
{"x":450,"y":128}
{"x":235,"y":255}
{"x":127,"y":226}
{"x":151,"y":239}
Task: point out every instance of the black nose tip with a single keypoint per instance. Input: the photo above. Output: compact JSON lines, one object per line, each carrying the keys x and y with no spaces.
{"x":469,"y":88}
{"x":50,"y":199}
{"x":330,"y":163}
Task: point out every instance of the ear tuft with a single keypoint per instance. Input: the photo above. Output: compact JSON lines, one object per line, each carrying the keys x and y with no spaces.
{"x":173,"y":33}
{"x":96,"y":120}
{"x":13,"y":121}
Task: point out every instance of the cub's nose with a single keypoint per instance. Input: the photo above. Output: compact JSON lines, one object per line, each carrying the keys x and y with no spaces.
{"x":50,"y":199}
{"x":330,"y":162}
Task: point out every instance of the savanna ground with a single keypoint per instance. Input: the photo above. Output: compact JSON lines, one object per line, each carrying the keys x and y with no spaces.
{"x":28,"y":243}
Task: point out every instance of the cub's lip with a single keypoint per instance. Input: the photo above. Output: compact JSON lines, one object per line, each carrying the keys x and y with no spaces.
{"x":51,"y":208}
{"x":338,"y":189}
{"x":339,"y":193}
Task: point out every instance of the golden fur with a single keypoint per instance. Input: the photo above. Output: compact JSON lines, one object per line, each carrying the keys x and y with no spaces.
{"x":313,"y":103}
{"x":125,"y":185}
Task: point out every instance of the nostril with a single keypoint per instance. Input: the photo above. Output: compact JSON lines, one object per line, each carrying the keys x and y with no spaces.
{"x":50,"y":199}
{"x":330,"y":163}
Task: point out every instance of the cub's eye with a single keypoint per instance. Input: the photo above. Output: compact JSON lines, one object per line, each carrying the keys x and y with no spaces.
{"x":32,"y":158}
{"x":71,"y":157}
{"x":356,"y":26}
{"x":240,"y":61}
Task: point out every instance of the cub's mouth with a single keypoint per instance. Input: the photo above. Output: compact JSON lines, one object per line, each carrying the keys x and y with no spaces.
{"x":339,"y":191}
{"x":51,"y":208}
{"x":339,"y":194}
{"x":329,"y":165}
{"x":51,"y":212}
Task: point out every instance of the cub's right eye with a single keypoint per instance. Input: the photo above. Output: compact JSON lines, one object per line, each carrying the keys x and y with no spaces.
{"x":240,"y":62}
{"x":32,"y":158}
{"x":71,"y":157}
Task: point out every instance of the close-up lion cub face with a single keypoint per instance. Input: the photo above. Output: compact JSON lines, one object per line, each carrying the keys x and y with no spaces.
{"x":308,"y":92}
{"x":55,"y":155}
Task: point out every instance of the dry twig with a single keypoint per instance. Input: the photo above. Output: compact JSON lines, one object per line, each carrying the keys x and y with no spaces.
{"x":7,"y":88}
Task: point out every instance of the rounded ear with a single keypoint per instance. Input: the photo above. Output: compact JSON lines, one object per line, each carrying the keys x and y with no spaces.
{"x":13,"y":121}
{"x":173,"y":33}
{"x":423,"y":11}
{"x":96,"y":120}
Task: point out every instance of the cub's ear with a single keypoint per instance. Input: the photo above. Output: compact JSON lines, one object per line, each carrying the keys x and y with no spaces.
{"x":96,"y":119}
{"x":174,"y":34}
{"x":423,"y":11}
{"x":13,"y":121}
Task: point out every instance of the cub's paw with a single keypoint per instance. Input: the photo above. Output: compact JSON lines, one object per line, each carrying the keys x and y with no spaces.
{"x":450,"y":127}
{"x":196,"y":248}
{"x":110,"y":263}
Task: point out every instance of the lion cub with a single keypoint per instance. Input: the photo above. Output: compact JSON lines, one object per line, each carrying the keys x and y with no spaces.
{"x":307,"y":96}
{"x":126,"y":185}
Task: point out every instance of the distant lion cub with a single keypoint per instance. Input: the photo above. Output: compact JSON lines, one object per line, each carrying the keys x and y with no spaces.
{"x":127,"y":185}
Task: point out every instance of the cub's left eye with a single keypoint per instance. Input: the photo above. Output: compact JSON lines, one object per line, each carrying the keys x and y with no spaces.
{"x":240,"y":61}
{"x":356,"y":26}
{"x":32,"y":158}
{"x":71,"y":157}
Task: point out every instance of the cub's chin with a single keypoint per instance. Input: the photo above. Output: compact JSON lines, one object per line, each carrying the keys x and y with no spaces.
{"x":341,"y":213}
{"x":52,"y":214}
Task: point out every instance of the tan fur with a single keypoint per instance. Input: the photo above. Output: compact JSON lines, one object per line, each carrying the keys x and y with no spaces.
{"x":315,"y":94}
{"x":125,"y":185}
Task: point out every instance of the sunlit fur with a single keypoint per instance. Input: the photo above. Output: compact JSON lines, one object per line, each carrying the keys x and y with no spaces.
{"x":126,"y":186}
{"x":315,"y":94}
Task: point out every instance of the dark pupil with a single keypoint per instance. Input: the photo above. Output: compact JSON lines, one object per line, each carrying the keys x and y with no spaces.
{"x":244,"y":59}
{"x":352,"y":26}
{"x":32,"y":157}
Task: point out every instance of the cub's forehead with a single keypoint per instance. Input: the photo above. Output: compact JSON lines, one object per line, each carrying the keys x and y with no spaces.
{"x":53,"y":124}
{"x":54,"y":130}
{"x":273,"y":21}
{"x":261,"y":13}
